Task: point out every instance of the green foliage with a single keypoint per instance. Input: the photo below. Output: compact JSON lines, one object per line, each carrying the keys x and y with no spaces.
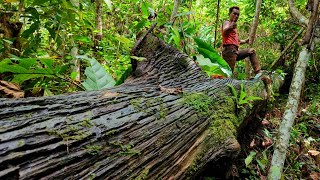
{"x":242,"y":98}
{"x":208,"y":52}
{"x":36,"y":74}
{"x":97,"y":76}
{"x":256,"y":161}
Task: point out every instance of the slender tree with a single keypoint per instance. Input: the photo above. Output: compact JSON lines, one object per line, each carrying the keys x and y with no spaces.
{"x":175,"y":10}
{"x":279,"y":154}
{"x":252,"y":34}
{"x":98,"y":36}
{"x":217,"y":21}
{"x":255,"y":22}
{"x":282,"y":144}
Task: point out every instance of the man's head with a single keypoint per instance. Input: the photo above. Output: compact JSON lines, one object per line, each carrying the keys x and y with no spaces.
{"x":234,"y":13}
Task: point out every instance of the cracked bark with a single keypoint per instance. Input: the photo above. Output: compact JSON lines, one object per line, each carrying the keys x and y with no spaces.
{"x":130,"y":131}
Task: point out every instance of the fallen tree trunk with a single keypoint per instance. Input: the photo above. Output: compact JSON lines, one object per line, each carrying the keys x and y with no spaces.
{"x":170,"y":121}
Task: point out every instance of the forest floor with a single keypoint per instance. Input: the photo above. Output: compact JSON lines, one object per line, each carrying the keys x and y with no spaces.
{"x":303,"y":155}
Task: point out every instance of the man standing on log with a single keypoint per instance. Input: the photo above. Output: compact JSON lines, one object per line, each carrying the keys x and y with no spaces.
{"x":231,"y":42}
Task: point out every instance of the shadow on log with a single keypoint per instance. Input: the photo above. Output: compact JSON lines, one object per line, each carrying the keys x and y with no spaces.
{"x":168,"y":122}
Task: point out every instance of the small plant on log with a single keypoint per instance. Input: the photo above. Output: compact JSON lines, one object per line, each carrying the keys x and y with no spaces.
{"x":242,"y":98}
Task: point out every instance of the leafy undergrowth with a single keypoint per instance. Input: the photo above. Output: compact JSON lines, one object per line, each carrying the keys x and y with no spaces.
{"x":303,"y":155}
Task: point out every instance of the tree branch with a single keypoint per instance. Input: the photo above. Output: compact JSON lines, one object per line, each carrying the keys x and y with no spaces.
{"x":296,"y":14}
{"x":312,"y":23}
{"x":255,"y":24}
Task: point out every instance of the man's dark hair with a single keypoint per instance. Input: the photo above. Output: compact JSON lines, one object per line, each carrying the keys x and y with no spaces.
{"x":233,"y":7}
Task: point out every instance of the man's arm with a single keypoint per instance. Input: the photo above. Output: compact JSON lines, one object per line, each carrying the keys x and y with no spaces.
{"x":227,"y":26}
{"x":246,"y":41}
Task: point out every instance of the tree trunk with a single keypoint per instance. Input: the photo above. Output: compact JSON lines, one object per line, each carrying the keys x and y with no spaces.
{"x":216,"y":25}
{"x":289,"y":115}
{"x":255,"y":22}
{"x":98,"y":36}
{"x":252,"y":34}
{"x":11,"y":32}
{"x":175,"y":10}
{"x":312,"y":23}
{"x":170,"y":121}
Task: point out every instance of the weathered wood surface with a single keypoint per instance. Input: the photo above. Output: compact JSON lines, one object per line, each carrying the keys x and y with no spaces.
{"x":141,"y":129}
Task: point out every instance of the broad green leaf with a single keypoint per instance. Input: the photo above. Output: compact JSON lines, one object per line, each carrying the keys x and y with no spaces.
{"x":211,"y":68}
{"x":20,"y":78}
{"x":204,"y":45}
{"x":47,"y":62}
{"x":97,"y":76}
{"x":250,"y":157}
{"x":67,"y":4}
{"x":28,"y":63}
{"x":61,"y":69}
{"x":13,"y":68}
{"x":44,"y":71}
{"x":214,"y":57}
{"x":34,"y":13}
{"x":189,"y":30}
{"x":208,"y":52}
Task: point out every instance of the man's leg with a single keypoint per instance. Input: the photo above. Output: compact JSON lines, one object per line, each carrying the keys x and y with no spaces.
{"x":251,"y":53}
{"x":229,"y":54}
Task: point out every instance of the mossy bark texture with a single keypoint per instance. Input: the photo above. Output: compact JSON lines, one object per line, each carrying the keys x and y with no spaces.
{"x":143,"y":129}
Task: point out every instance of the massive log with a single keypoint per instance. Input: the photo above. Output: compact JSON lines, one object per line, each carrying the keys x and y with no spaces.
{"x":168,"y":122}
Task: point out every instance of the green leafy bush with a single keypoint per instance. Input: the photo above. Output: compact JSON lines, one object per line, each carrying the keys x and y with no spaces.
{"x":242,"y":98}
